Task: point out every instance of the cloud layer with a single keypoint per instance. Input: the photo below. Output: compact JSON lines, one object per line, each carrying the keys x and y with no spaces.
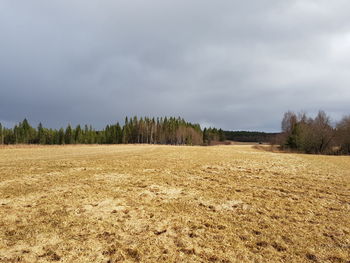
{"x":230,"y":64}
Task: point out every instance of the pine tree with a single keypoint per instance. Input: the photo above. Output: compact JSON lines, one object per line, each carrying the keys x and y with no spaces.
{"x":135,"y":130}
{"x":119,"y":133}
{"x":221,"y":135}
{"x":86,"y":134}
{"x":41,"y":134}
{"x":61,"y":137}
{"x":49,"y":136}
{"x":68,"y":136}
{"x":126,"y":131}
{"x":24,"y":131}
{"x":78,"y":134}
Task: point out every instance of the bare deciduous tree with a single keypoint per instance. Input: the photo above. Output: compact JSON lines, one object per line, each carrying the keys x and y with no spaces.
{"x":343,"y":135}
{"x":307,"y":134}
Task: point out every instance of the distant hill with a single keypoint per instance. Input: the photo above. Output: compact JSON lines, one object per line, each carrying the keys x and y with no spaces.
{"x":249,"y":136}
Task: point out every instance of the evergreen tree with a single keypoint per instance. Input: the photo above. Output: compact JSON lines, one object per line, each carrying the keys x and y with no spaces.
{"x":119,"y":133}
{"x":86,"y":134}
{"x":41,"y":134}
{"x":92,"y":136}
{"x":126,"y":131}
{"x":61,"y":136}
{"x":24,"y":130}
{"x":135,"y":130}
{"x":78,"y":134}
{"x":68,"y":136}
{"x":221,"y":135}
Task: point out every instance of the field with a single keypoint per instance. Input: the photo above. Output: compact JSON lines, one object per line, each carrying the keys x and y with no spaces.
{"x":139,"y":203}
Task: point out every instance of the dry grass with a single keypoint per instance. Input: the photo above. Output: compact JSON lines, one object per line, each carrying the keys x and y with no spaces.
{"x":172,"y":204}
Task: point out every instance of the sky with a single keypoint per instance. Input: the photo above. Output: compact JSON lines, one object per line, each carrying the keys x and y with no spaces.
{"x":235,"y":65}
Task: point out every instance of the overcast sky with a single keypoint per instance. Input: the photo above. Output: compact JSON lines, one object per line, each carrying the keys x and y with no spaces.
{"x":235,"y":65}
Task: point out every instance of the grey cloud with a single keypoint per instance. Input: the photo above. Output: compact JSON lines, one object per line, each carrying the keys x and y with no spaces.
{"x":232,"y":64}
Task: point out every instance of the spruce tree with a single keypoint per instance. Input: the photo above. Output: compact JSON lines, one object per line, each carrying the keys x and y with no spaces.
{"x":41,"y":134}
{"x":78,"y":135}
{"x":61,"y":138}
{"x":221,"y":135}
{"x":68,"y":136}
{"x":86,"y":134}
{"x":119,"y":133}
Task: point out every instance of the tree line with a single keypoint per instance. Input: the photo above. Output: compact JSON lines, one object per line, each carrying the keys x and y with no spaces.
{"x":299,"y":133}
{"x":165,"y":130}
{"x":249,"y":136}
{"x":315,"y":135}
{"x":213,"y":135}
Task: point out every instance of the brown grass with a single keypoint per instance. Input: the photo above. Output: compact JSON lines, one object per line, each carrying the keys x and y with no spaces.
{"x":172,"y":204}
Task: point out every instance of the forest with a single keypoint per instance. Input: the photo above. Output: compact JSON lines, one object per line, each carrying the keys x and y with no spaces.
{"x":300,"y":133}
{"x":314,"y":135}
{"x":165,"y":130}
{"x":249,"y":136}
